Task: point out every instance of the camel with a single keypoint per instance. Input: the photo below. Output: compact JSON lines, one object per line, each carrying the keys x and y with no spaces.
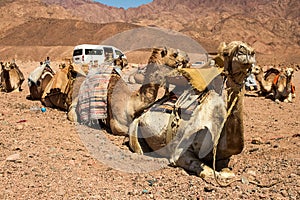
{"x":38,"y":81}
{"x":58,"y":93}
{"x":265,"y":79}
{"x":275,"y":83}
{"x":11,"y":77}
{"x":211,"y":121}
{"x":283,"y":88}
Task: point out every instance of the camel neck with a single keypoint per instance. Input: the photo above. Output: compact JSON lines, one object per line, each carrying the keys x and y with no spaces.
{"x":233,"y":86}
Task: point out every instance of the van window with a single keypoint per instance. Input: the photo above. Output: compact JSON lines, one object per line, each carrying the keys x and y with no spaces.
{"x":118,"y":53}
{"x":108,"y":52}
{"x":93,"y":52}
{"x":77,"y":52}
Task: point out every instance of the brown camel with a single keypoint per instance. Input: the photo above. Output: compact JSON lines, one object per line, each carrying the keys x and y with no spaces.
{"x":275,"y":83}
{"x":188,"y":141}
{"x":11,"y":77}
{"x":282,"y":87}
{"x":58,"y":93}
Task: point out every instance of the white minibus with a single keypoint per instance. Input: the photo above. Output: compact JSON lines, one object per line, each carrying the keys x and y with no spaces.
{"x":90,"y":53}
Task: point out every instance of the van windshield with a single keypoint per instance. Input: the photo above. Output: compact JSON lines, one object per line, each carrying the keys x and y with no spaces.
{"x":93,"y":52}
{"x":77,"y":52}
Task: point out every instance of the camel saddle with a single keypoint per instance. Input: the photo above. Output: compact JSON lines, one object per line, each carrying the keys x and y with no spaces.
{"x":200,"y":78}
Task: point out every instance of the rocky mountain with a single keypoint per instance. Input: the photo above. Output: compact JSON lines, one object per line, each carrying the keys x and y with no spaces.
{"x":272,"y":27}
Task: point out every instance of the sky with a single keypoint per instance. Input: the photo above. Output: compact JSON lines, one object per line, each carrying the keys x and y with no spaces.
{"x":124,"y":3}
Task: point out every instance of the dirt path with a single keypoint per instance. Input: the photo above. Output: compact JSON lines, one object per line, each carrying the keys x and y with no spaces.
{"x":43,"y":157}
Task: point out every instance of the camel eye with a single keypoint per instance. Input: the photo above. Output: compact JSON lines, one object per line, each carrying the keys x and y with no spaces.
{"x":225,"y":54}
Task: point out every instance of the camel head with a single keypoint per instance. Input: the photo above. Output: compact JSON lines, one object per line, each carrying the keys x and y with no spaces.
{"x":162,"y":61}
{"x":72,"y":69}
{"x":238,"y":60}
{"x":121,"y":61}
{"x":288,"y":71}
{"x":256,"y":69}
{"x":7,"y":66}
{"x":76,"y":70}
{"x":62,"y":65}
{"x":170,"y":57}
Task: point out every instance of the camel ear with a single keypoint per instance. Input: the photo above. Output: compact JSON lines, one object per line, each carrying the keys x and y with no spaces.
{"x":72,"y":67}
{"x":164,"y":52}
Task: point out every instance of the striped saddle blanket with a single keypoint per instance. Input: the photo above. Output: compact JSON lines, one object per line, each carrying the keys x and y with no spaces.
{"x":92,"y":96}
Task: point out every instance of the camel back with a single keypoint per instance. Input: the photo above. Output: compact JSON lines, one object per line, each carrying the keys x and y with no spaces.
{"x":59,"y":90}
{"x":271,"y":71}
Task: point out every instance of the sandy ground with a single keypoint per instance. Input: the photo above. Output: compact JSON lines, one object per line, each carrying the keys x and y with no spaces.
{"x":42,"y":156}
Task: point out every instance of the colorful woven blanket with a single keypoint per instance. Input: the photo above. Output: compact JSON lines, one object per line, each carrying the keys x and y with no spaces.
{"x":92,"y":97}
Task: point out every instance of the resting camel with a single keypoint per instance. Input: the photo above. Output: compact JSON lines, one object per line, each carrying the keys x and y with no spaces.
{"x":275,"y":83}
{"x":38,"y":81}
{"x":214,"y":118}
{"x":58,"y":93}
{"x":11,"y":77}
{"x":283,"y":88}
{"x":265,"y":79}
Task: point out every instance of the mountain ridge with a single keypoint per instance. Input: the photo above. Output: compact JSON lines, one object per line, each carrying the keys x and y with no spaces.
{"x":272,"y":27}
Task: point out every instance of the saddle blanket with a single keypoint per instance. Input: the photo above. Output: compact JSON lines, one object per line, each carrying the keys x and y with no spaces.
{"x":36,"y":74}
{"x":92,"y":96}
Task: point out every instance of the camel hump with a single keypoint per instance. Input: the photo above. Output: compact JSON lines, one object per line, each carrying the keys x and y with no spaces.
{"x":271,"y":71}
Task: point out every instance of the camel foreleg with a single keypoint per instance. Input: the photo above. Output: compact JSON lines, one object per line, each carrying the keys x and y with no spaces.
{"x":189,"y":161}
{"x":72,"y":114}
{"x":133,"y":137}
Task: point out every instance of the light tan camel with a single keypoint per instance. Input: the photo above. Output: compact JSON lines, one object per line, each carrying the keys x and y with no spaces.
{"x":124,"y":105}
{"x":276,"y":83}
{"x":283,"y":88}
{"x":265,"y":79}
{"x":58,"y":93}
{"x":187,"y":139}
{"x":11,"y":77}
{"x":38,"y":81}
